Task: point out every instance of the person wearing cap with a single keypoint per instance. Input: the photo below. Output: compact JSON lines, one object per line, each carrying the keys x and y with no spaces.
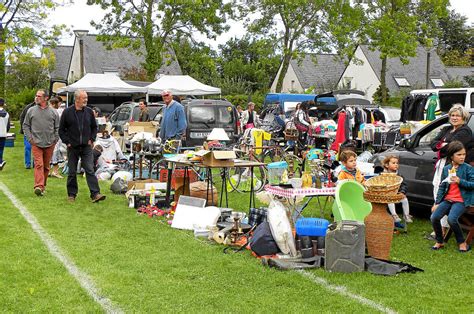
{"x":144,"y":114}
{"x":173,"y":124}
{"x":41,"y":129}
{"x":4,"y":128}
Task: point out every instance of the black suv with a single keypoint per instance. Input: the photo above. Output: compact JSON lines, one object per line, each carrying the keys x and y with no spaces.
{"x":202,"y":115}
{"x":130,"y":111}
{"x":417,"y":160}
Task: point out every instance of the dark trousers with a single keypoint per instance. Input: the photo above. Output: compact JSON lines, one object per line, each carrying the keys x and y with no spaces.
{"x":87,"y":162}
{"x":2,"y":146}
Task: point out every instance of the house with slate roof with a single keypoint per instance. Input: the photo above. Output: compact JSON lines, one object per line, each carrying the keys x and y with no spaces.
{"x":459,"y":73}
{"x":98,"y":59}
{"x":320,"y":72}
{"x":363,"y":73}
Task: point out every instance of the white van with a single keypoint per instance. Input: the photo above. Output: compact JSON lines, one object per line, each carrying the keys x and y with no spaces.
{"x":450,"y":96}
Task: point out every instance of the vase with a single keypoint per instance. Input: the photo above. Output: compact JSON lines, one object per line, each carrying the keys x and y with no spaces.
{"x":379,"y":231}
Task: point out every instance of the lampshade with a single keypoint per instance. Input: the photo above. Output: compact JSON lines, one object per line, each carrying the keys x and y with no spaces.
{"x":218,"y":134}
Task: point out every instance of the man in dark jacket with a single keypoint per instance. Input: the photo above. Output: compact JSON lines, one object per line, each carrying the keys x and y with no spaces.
{"x":26,"y":144}
{"x":78,"y":130}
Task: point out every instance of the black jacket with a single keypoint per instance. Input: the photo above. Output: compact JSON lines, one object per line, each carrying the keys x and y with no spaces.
{"x":462,"y":134}
{"x":23,"y":115}
{"x":77,"y":129}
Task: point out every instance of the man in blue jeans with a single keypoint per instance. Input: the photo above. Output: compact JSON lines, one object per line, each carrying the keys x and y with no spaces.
{"x":25,"y":140}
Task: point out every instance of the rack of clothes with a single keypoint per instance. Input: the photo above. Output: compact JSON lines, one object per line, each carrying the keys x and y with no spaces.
{"x":413,"y":107}
{"x":356,"y":122}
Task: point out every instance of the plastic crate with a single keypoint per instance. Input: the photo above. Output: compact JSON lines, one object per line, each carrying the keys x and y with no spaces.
{"x":314,"y":227}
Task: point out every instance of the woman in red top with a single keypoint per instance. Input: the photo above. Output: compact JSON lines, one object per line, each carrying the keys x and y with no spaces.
{"x":454,"y":195}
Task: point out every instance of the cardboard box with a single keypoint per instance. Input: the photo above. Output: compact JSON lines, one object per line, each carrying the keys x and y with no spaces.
{"x":140,"y":184}
{"x":135,"y":127}
{"x":218,"y":158}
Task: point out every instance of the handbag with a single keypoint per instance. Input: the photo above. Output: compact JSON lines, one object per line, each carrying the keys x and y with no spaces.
{"x":262,"y":242}
{"x":249,"y":126}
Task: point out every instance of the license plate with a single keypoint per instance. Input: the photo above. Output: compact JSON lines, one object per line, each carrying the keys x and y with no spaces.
{"x":199,"y":134}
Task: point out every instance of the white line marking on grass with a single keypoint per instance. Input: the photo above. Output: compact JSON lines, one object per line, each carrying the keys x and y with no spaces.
{"x":84,"y":280}
{"x":343,"y":291}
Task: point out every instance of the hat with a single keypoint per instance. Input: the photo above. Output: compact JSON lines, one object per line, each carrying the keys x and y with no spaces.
{"x":166,"y":92}
{"x":2,"y":101}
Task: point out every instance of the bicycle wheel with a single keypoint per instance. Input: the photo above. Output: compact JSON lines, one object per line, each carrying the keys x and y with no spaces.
{"x":259,"y":179}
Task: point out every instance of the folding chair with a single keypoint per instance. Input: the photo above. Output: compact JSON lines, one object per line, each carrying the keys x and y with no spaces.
{"x":378,"y":141}
{"x":390,"y":139}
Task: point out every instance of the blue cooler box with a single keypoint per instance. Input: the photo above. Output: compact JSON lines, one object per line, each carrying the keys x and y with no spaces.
{"x":314,"y":227}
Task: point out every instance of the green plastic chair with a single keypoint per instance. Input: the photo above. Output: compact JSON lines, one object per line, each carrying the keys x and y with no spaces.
{"x":350,"y":203}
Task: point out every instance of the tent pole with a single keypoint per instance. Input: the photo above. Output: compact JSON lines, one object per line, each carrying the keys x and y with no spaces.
{"x":146,"y":97}
{"x":67,"y":99}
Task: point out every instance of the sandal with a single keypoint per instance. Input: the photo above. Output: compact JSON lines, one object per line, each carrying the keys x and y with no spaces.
{"x":437,"y":248}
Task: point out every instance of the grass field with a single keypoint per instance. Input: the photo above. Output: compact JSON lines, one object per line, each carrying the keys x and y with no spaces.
{"x":142,"y":265}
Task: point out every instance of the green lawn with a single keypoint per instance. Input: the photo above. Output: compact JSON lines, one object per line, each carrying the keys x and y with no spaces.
{"x":143,"y":265}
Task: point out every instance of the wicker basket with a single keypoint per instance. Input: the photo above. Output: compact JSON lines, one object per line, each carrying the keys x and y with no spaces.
{"x":384,"y":183}
{"x":291,"y":134}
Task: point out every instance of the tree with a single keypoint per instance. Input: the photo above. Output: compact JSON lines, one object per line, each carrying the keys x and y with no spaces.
{"x":22,"y":29}
{"x":454,"y":34}
{"x":251,"y":61}
{"x":154,"y":24}
{"x":197,"y":60}
{"x":394,"y":28}
{"x":26,"y":74}
{"x":299,"y":26}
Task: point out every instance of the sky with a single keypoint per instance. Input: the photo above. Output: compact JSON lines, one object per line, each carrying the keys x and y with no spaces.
{"x":79,"y":14}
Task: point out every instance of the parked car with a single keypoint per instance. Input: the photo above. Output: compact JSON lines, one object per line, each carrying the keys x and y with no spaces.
{"x":202,"y":115}
{"x":129,"y":111}
{"x":417,"y":160}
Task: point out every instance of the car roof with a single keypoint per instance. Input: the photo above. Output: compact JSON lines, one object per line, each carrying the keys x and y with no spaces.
{"x":208,"y":102}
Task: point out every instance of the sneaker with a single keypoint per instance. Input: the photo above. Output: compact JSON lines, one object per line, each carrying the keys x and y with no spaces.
{"x":98,"y":197}
{"x":71,"y":199}
{"x":2,"y":164}
{"x":396,"y":218}
{"x":39,"y":191}
{"x":408,"y":219}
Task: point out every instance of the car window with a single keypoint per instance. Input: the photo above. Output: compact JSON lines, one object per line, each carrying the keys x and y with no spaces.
{"x":204,"y":114}
{"x":225,"y":115}
{"x":113,"y":115}
{"x":447,"y":100}
{"x":426,"y":139}
{"x":472,"y":100}
{"x":124,"y":114}
{"x":392,"y":114}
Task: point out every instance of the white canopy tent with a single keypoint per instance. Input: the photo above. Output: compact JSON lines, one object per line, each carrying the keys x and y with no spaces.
{"x":181,"y":85}
{"x":102,"y":83}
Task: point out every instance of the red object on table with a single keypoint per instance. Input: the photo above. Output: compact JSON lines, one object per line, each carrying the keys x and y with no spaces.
{"x":177,"y":173}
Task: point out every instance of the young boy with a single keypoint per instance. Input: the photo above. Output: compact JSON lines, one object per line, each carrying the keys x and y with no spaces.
{"x":4,"y":128}
{"x":349,"y":169}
